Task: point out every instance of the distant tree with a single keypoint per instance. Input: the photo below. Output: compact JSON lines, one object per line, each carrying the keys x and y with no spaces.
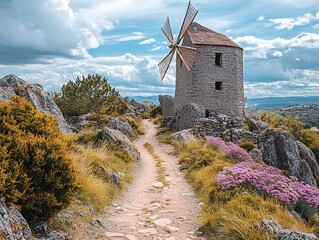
{"x":88,"y":94}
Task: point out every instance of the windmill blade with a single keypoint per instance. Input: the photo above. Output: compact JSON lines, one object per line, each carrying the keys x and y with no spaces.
{"x":167,"y":30}
{"x":187,"y":54}
{"x":164,"y":64}
{"x":188,"y":19}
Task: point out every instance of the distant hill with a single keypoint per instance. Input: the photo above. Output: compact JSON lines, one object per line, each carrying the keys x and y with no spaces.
{"x":153,"y":99}
{"x":272,"y":103}
{"x":269,"y":103}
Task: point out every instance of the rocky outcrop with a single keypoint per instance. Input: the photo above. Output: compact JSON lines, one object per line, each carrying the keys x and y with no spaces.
{"x":140,"y":106}
{"x":13,"y":226}
{"x":256,"y":124}
{"x":256,"y":154}
{"x":119,"y":139}
{"x":167,"y":105}
{"x":120,"y":125}
{"x":79,"y":122}
{"x":273,"y":230}
{"x":183,"y":135}
{"x":281,"y":150}
{"x":186,"y":116}
{"x":12,"y":85}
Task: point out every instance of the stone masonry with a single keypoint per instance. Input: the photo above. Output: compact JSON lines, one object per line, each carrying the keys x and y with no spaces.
{"x":199,"y":85}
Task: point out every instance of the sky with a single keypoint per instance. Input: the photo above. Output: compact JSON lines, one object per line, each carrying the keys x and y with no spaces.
{"x":53,"y":41}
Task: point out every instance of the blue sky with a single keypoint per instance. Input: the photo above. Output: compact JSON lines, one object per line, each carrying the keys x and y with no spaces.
{"x":53,"y":41}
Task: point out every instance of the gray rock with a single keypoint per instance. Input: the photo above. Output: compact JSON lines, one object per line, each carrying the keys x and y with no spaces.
{"x":273,"y":230}
{"x":120,"y":125}
{"x":183,"y":167}
{"x":118,"y":138}
{"x":282,"y":151}
{"x":140,"y":106}
{"x":186,"y":116}
{"x":162,"y":222}
{"x":42,"y":231}
{"x":183,"y":135}
{"x":257,"y":124}
{"x":13,"y":226}
{"x":116,"y":178}
{"x":256,"y":154}
{"x":79,"y":122}
{"x":12,"y":85}
{"x":167,"y":105}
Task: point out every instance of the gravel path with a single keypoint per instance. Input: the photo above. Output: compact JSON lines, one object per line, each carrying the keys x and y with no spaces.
{"x":147,"y":212}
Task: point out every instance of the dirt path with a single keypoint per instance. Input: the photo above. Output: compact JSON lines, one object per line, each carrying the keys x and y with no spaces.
{"x":146,"y":212}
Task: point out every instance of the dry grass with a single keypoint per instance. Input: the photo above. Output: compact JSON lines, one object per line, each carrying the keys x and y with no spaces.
{"x":161,"y":171}
{"x":229,"y":214}
{"x":94,"y":189}
{"x":164,"y":135}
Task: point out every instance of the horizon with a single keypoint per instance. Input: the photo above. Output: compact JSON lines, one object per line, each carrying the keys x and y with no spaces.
{"x":52,"y":42}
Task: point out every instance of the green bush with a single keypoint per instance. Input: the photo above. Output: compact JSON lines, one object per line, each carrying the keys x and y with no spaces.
{"x":33,"y":158}
{"x":89,"y":94}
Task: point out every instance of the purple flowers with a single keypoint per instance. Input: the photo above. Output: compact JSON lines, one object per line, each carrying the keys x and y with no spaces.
{"x":269,"y":180}
{"x":231,"y":149}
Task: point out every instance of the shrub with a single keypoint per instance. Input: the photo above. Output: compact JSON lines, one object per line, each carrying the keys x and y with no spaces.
{"x":89,"y":94}
{"x":247,"y":145}
{"x":311,"y":140}
{"x":233,"y":151}
{"x":269,"y":180}
{"x":33,"y":156}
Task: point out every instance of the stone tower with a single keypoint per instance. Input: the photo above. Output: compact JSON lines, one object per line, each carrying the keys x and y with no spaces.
{"x":216,"y":78}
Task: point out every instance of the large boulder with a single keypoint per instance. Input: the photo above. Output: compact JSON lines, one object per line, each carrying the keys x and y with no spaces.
{"x":116,"y":137}
{"x":186,"y":116}
{"x":167,"y":105}
{"x":79,"y":122}
{"x":256,"y":124}
{"x":12,"y":85}
{"x":281,"y":150}
{"x":140,"y":106}
{"x":185,"y":135}
{"x":13,"y":226}
{"x":120,"y":125}
{"x":273,"y":230}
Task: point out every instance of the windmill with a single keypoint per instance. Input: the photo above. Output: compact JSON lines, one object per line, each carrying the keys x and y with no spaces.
{"x":186,"y":53}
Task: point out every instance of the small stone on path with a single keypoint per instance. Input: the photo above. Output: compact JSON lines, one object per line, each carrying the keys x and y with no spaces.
{"x":162,"y":222}
{"x":158,"y":185}
{"x":148,"y":231}
{"x":171,"y":229}
{"x":170,"y":238}
{"x":130,"y":237}
{"x":154,"y":217}
{"x":113,"y":234}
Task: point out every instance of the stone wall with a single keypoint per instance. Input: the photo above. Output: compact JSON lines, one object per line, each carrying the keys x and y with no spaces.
{"x":167,"y":105}
{"x":198,"y":85}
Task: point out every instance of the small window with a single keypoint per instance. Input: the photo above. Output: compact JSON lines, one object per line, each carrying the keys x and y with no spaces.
{"x":218,"y":85}
{"x":218,"y":59}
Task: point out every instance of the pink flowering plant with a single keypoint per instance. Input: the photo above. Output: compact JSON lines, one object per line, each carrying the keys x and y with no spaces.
{"x":269,"y":180}
{"x":231,"y":149}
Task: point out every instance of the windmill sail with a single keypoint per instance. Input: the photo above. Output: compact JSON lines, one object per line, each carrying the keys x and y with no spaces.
{"x":164,"y":64}
{"x":187,"y":54}
{"x":168,"y":31}
{"x":188,"y":19}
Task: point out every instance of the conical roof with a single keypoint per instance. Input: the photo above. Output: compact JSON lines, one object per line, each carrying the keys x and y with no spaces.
{"x":200,"y":35}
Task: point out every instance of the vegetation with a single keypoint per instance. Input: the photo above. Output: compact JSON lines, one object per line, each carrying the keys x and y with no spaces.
{"x":161,"y":171}
{"x":37,"y":174}
{"x":88,"y":94}
{"x":232,"y":211}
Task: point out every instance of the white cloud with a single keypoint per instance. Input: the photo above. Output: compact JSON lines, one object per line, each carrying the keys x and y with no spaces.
{"x":261,"y":48}
{"x":147,"y":41}
{"x":277,"y":54}
{"x":122,"y":38}
{"x":261,"y":18}
{"x":290,"y":23}
{"x":51,"y":27}
{"x":156,"y":48}
{"x":302,"y":83}
{"x":130,"y":74}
